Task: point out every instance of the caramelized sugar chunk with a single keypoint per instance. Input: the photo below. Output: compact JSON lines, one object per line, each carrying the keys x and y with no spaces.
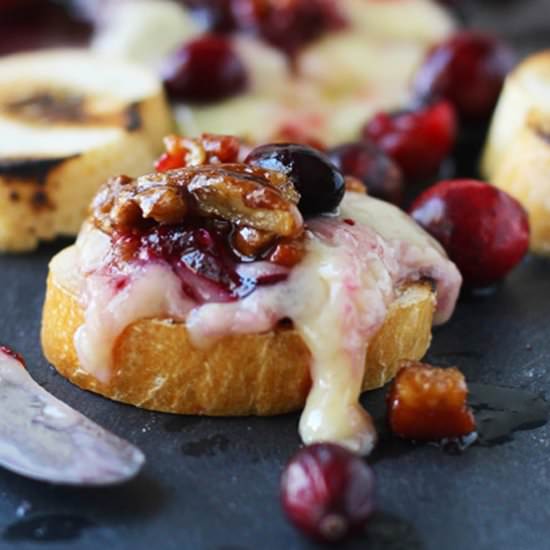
{"x":249,"y":241}
{"x":207,"y":149}
{"x":428,"y":403}
{"x":288,"y":252}
{"x":258,"y":199}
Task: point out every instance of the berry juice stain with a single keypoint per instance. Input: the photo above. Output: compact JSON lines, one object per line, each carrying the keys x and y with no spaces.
{"x":47,"y":528}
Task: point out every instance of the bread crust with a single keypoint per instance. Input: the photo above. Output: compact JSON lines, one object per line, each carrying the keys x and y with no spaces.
{"x":46,"y":193}
{"x":156,"y":367}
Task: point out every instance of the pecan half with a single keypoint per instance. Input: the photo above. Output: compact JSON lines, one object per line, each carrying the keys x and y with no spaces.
{"x":206,"y":149}
{"x":259,"y":199}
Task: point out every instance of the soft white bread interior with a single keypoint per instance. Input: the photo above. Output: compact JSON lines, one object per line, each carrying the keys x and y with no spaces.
{"x":156,"y":367}
{"x":68,"y":121}
{"x":517,"y":152}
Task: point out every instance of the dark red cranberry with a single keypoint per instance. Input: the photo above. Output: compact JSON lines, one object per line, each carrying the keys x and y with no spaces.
{"x":327,"y":492}
{"x":17,"y":356}
{"x":467,"y":69}
{"x":418,"y":141}
{"x":483,"y":229}
{"x":204,"y":70}
{"x":294,"y":23}
{"x":369,"y":164}
{"x":320,"y":184}
{"x":34,"y":24}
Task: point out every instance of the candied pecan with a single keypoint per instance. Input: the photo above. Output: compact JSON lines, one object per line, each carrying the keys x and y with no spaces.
{"x":243,"y":195}
{"x":428,"y":403}
{"x":207,"y":149}
{"x":248,"y":241}
{"x":114,"y":202}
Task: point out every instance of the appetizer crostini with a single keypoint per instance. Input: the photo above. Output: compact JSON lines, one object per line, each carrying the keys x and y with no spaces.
{"x":263,"y":70}
{"x":256,"y":287}
{"x":517,"y":152}
{"x":69,"y":119}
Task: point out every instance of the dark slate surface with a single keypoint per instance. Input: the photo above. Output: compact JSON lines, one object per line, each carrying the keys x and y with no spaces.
{"x":212,"y":483}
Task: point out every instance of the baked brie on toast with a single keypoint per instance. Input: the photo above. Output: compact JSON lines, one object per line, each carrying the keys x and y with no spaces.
{"x":246,"y":288}
{"x":517,"y":152}
{"x":69,"y":119}
{"x":264,"y":70}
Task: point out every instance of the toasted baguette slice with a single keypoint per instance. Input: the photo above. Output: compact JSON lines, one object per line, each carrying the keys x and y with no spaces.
{"x":156,"y":367}
{"x":68,"y":121}
{"x":517,"y":153}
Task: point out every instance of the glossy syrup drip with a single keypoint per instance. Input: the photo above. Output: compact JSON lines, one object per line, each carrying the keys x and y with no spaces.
{"x":501,"y":411}
{"x":47,"y":528}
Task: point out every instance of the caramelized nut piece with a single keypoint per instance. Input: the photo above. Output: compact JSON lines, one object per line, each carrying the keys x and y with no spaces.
{"x":288,"y":252}
{"x":207,"y":149}
{"x":428,"y":403}
{"x":246,"y":196}
{"x":249,"y":241}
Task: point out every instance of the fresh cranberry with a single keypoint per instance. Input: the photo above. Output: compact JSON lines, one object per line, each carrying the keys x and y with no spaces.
{"x":467,"y":69}
{"x":483,"y":229}
{"x":327,"y":492}
{"x":366,"y":162}
{"x":300,"y":22}
{"x":17,"y":356}
{"x":204,"y":70}
{"x":418,"y":141}
{"x":320,"y":184}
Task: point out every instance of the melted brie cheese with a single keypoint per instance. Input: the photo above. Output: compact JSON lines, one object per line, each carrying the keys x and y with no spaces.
{"x":338,"y":298}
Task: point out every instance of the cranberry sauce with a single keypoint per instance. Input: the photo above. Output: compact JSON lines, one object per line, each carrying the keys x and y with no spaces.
{"x":201,"y":255}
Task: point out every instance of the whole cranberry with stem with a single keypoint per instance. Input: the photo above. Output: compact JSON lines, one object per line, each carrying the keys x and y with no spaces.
{"x":468,"y":69}
{"x":204,"y":70}
{"x":320,"y":184}
{"x":418,"y":140}
{"x":369,"y":164}
{"x":483,"y":229}
{"x":327,"y":492}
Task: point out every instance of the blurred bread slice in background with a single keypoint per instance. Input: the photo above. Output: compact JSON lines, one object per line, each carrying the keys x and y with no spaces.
{"x":517,"y":152}
{"x":69,"y":120}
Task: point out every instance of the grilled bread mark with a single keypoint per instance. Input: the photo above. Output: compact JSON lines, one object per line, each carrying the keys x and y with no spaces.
{"x":69,"y":120}
{"x":64,"y":107}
